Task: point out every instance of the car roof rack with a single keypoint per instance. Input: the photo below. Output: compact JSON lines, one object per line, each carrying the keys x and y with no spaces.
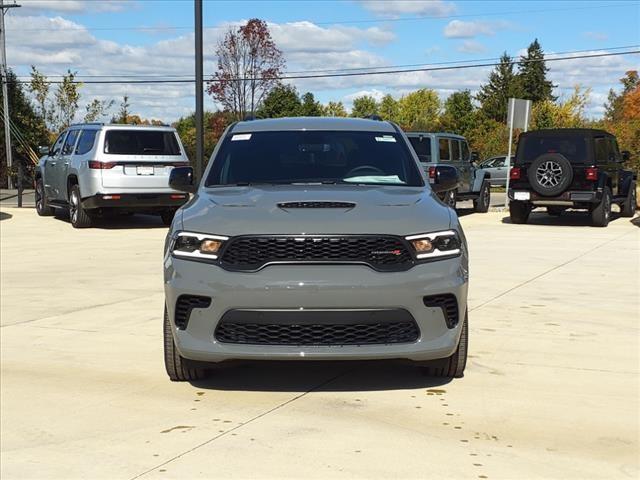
{"x":100,"y":124}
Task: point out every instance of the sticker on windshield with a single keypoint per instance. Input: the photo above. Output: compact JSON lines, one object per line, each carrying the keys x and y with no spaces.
{"x":241,"y":136}
{"x":386,"y":138}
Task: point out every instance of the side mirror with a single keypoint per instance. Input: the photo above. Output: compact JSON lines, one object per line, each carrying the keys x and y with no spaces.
{"x":44,"y":150}
{"x":475,"y":156}
{"x":625,"y":155}
{"x":181,"y":179}
{"x":443,"y":178}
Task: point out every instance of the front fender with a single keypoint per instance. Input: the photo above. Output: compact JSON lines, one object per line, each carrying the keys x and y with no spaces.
{"x":479,"y":177}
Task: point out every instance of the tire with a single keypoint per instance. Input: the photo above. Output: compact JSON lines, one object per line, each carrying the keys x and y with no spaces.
{"x":481,"y":204}
{"x":167,"y":216}
{"x":550,"y":174}
{"x":519,"y":211}
{"x":601,"y":213}
{"x":77,"y":214}
{"x":628,"y":207}
{"x":555,"y":211}
{"x":453,"y":366}
{"x":450,"y":198}
{"x":178,"y":368}
{"x":42,"y":205}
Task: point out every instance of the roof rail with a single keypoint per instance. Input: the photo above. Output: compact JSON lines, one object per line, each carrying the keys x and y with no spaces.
{"x":86,"y":123}
{"x":374,"y":117}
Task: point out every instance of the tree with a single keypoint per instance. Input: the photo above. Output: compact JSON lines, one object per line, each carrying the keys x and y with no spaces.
{"x":389,"y":108}
{"x":459,"y":113}
{"x":310,"y":108}
{"x":96,"y":109}
{"x":614,"y":106}
{"x":532,"y":75}
{"x":39,"y":87}
{"x":561,"y":114}
{"x":419,"y":110}
{"x":281,"y":101}
{"x":334,"y":109}
{"x":364,"y":106}
{"x":66,"y":100}
{"x":249,"y":66}
{"x":502,"y":85}
{"x":123,"y":114}
{"x":215,"y":124}
{"x":28,"y":130}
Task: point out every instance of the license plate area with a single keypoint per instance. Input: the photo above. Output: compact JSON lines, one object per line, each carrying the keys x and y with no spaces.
{"x":144,"y":170}
{"x":521,"y":195}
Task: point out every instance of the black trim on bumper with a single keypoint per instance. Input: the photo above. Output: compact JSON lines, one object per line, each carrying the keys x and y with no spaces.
{"x":134,"y":200}
{"x":578,"y":196}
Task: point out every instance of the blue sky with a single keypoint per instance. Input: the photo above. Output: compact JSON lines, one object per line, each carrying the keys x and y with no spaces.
{"x":146,"y":38}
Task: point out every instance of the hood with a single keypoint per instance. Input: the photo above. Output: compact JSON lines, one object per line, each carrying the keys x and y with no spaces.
{"x":295,"y":209}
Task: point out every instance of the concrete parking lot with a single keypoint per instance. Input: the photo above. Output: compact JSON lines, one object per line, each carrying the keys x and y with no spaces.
{"x":552,"y":389}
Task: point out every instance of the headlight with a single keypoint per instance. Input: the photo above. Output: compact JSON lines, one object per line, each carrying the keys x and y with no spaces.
{"x":197,"y":245}
{"x":436,"y":244}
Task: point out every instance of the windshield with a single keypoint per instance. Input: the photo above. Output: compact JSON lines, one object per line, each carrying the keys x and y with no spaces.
{"x":140,"y":142}
{"x":314,"y":157}
{"x":422,"y":146}
{"x":573,"y":147}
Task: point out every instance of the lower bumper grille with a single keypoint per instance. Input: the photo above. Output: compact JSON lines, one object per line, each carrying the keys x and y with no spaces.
{"x":185,"y":304}
{"x":376,"y":327}
{"x":449,"y":305}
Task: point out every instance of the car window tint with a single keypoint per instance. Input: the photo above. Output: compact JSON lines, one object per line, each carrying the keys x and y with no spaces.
{"x":600,"y":144}
{"x":500,"y":162}
{"x":443,"y":147}
{"x":422,"y":146}
{"x":58,"y":145}
{"x":465,"y":151}
{"x":572,"y":147}
{"x":455,"y":149}
{"x":70,"y":142}
{"x":140,"y":142}
{"x":86,"y":141}
{"x":613,"y":148}
{"x":281,"y":157}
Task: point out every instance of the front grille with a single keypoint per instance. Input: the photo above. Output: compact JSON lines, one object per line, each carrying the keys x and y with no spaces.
{"x":317,"y":327}
{"x":449,"y":305}
{"x":316,"y":205}
{"x":185,"y":304}
{"x":250,"y":253}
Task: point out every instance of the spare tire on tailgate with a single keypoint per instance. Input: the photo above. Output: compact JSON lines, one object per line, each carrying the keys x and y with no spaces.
{"x":550,"y":174}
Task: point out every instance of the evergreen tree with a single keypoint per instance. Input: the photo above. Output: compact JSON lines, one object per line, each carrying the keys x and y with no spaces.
{"x":532,"y":75}
{"x":281,"y":101}
{"x":459,"y":113}
{"x":309,"y":107}
{"x":494,"y":96}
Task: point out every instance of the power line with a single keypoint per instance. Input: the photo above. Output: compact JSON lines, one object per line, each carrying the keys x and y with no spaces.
{"x":354,"y":74}
{"x":348,"y":22}
{"x":170,"y":76}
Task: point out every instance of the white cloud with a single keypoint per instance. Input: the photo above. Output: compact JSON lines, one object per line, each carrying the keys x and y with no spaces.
{"x":74,"y":6}
{"x":471,"y":46}
{"x":462,"y":29}
{"x":599,"y":36}
{"x":397,"y":8}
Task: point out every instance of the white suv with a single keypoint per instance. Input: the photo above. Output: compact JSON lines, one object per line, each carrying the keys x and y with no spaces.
{"x":93,"y":169}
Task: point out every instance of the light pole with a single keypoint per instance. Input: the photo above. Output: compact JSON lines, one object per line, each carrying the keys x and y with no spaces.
{"x":199,"y":90}
{"x":5,"y":93}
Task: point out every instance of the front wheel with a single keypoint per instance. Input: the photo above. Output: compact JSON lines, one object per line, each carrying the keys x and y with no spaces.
{"x":519,"y":211}
{"x":481,"y":204}
{"x":601,"y":213}
{"x":628,"y":208}
{"x":77,"y":213}
{"x":178,"y":368}
{"x":42,"y":205}
{"x":453,"y":366}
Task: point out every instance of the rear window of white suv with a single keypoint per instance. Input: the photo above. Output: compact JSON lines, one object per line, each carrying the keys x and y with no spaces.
{"x":140,"y":142}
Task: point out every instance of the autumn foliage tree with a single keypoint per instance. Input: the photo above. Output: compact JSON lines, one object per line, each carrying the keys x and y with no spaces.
{"x":249,"y":67}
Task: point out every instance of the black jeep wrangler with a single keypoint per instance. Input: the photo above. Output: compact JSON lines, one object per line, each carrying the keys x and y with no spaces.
{"x":570,"y":168}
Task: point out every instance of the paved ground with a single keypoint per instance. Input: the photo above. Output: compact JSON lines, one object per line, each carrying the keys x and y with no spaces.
{"x":551,"y":391}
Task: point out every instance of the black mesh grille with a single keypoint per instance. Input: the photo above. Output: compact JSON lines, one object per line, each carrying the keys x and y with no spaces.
{"x":385,"y":253}
{"x":185,"y":304}
{"x":318,"y":334}
{"x":316,"y":205}
{"x":449,"y":305}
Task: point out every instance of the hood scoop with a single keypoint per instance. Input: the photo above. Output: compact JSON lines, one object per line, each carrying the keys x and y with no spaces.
{"x":290,"y":205}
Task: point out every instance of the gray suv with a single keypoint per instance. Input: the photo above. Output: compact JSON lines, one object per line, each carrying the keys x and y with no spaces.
{"x":314,"y":239}
{"x":93,"y":169}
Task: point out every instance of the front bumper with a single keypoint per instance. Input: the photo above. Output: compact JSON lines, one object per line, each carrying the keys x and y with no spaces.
{"x":570,"y":198}
{"x":135,"y":200}
{"x":335,"y":288}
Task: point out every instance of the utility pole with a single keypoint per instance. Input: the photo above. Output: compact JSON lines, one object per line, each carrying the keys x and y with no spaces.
{"x":5,"y":94}
{"x":199,"y":91}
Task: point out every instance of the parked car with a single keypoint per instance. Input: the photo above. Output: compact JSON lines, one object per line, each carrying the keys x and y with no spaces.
{"x":314,"y":239}
{"x":571,"y":168}
{"x":93,"y":169}
{"x":497,"y":169}
{"x":435,"y":149}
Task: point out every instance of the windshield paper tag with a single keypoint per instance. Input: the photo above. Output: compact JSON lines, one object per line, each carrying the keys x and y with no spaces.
{"x":241,"y":136}
{"x":386,"y":138}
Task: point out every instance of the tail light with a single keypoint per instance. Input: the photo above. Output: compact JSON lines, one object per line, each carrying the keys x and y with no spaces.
{"x":515,"y":173}
{"x":101,"y":165}
{"x":591,"y":174}
{"x":177,"y":196}
{"x":432,"y":172}
{"x":111,"y":197}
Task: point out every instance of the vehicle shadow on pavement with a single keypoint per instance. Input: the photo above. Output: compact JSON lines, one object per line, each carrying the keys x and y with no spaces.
{"x":120,"y":222}
{"x":5,"y":216}
{"x":329,"y":376}
{"x":567,"y":219}
{"x":635,"y":221}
